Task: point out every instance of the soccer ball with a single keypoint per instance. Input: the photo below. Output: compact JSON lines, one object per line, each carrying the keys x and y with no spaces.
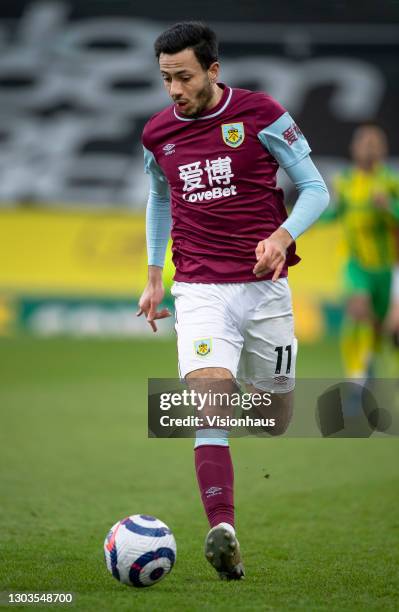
{"x":140,"y":550}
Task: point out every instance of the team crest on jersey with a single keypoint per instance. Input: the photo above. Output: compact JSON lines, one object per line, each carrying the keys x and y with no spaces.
{"x":203,"y":346}
{"x":233,"y":134}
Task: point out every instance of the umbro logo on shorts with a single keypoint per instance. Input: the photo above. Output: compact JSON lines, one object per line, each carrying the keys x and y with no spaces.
{"x":281,"y":380}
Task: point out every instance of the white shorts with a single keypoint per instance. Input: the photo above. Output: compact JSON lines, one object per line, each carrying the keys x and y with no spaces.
{"x":395,"y":284}
{"x":247,"y":328}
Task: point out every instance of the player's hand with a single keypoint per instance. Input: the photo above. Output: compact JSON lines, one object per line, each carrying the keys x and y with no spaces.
{"x":381,"y":200}
{"x":271,"y":254}
{"x":392,"y":319}
{"x":151,"y":298}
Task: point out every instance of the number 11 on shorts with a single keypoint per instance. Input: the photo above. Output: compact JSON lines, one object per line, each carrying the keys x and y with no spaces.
{"x":280,"y":350}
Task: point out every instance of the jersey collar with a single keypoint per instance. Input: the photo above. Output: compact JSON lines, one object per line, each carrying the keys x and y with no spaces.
{"x":213,"y":112}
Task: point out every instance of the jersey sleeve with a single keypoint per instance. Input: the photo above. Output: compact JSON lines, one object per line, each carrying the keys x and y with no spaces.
{"x":152,"y":167}
{"x":158,"y":214}
{"x":312,"y":200}
{"x":279,"y":134}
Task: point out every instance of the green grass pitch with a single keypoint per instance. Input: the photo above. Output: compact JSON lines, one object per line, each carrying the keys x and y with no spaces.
{"x":321,"y":532}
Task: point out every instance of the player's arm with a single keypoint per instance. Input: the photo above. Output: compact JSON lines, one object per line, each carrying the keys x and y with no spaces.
{"x":158,"y":224}
{"x":333,"y":212}
{"x":394,"y":208}
{"x":338,"y":205}
{"x":312,"y":198}
{"x":286,"y":143}
{"x":388,"y":199}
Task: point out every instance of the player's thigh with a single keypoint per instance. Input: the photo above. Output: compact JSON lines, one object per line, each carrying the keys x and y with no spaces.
{"x":381,"y":294}
{"x":280,"y":409}
{"x":207,"y":336}
{"x":393,"y":317}
{"x":395,"y":285}
{"x":358,"y":291}
{"x":268,"y":358}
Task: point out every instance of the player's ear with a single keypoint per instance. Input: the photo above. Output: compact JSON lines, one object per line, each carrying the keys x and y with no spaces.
{"x":213,"y":72}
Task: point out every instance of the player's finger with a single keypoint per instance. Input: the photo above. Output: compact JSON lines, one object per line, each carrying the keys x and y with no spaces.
{"x":269,"y":263}
{"x":260,"y":249}
{"x":262,"y":261}
{"x":139,"y":312}
{"x":270,"y":253}
{"x":263,"y":264}
{"x":261,"y":271}
{"x":278,"y":270}
{"x":152,"y":311}
{"x":257,"y":269}
{"x":162,"y":314}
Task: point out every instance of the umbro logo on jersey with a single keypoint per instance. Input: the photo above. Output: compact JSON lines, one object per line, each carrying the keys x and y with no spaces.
{"x":169,"y":149}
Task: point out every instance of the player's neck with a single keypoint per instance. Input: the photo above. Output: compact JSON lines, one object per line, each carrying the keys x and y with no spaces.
{"x":216,"y":97}
{"x":367,"y":167}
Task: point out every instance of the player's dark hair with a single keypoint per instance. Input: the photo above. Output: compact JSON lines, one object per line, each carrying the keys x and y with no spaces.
{"x":189,"y":35}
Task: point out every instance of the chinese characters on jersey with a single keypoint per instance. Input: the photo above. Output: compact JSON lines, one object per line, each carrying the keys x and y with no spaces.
{"x":216,"y":173}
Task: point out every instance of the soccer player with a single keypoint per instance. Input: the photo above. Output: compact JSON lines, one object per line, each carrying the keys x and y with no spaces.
{"x":212,"y":157}
{"x":367,"y":203}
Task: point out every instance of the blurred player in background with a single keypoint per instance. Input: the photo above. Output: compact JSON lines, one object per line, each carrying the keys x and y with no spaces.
{"x":212,"y":157}
{"x":393,"y":315}
{"x":367,"y":203}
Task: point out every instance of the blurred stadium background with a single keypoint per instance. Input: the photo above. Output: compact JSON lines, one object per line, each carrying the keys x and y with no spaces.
{"x":78,"y":80}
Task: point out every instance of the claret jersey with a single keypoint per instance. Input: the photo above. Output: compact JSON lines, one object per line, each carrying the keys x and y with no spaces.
{"x":221,"y":170}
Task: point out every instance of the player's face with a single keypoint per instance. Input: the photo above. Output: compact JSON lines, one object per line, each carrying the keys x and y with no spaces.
{"x":369,"y":145}
{"x":190,"y":86}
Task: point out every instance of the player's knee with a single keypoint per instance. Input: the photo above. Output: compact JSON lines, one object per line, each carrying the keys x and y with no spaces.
{"x":358,"y":308}
{"x":215,"y":385}
{"x":279,"y":411}
{"x":283,"y":409}
{"x":210,"y":373}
